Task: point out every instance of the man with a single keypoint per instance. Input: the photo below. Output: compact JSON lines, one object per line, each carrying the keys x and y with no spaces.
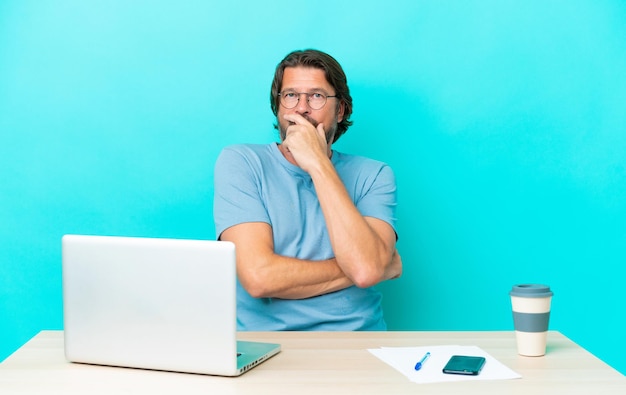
{"x":313,"y":228}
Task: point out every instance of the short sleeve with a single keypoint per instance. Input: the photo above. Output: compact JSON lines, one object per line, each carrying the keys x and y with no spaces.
{"x":237,"y":190}
{"x":379,"y":199}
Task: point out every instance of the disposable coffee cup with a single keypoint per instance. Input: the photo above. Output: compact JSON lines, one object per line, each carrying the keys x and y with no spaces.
{"x":531,"y":314}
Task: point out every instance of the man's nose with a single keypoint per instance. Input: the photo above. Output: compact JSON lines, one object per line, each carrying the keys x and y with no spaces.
{"x":303,"y":104}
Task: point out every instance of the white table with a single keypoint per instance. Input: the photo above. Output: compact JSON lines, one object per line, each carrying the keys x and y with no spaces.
{"x":320,"y":363}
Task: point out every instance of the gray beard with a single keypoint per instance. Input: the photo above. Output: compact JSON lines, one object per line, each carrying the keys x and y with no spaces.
{"x":329,"y":132}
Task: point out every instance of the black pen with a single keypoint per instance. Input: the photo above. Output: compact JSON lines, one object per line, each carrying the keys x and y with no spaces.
{"x":418,"y":365}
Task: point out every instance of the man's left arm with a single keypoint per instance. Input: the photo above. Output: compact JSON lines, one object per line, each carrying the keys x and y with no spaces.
{"x":364,"y":247}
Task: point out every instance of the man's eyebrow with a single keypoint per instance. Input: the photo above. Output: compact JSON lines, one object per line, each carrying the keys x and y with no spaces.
{"x":320,"y":90}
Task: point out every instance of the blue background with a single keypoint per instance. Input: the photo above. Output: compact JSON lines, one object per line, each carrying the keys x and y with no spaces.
{"x":505,"y":122}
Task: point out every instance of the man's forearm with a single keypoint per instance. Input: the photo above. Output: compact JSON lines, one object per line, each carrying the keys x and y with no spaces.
{"x":290,"y":278}
{"x":265,"y":274}
{"x":363,"y":248}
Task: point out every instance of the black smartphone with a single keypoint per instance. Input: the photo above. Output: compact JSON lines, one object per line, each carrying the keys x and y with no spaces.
{"x":463,"y":364}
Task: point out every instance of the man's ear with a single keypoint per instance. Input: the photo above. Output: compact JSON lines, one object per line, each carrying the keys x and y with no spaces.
{"x":340,"y":113}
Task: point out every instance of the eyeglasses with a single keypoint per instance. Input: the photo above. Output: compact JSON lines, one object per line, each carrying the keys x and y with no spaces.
{"x":316,"y":100}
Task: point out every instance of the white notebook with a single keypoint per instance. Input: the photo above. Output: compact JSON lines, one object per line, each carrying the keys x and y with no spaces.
{"x":163,"y":304}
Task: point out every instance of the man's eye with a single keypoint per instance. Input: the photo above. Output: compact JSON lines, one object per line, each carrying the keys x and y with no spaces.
{"x":289,"y":95}
{"x":317,"y":96}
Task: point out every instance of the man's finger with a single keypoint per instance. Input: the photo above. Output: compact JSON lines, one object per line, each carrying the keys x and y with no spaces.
{"x":296,"y":118}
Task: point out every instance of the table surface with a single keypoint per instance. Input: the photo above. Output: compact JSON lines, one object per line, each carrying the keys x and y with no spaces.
{"x":319,"y":363}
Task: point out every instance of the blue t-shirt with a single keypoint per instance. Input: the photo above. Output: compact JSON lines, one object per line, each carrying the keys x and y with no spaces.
{"x":255,"y":183}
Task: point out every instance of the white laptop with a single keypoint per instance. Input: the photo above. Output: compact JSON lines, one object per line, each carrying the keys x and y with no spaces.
{"x":162,"y":304}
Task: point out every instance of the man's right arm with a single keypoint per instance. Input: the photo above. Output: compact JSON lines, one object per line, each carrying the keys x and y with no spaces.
{"x":264,"y":274}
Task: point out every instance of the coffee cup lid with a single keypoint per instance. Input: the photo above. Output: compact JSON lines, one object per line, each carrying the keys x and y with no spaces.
{"x":531,"y":291}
